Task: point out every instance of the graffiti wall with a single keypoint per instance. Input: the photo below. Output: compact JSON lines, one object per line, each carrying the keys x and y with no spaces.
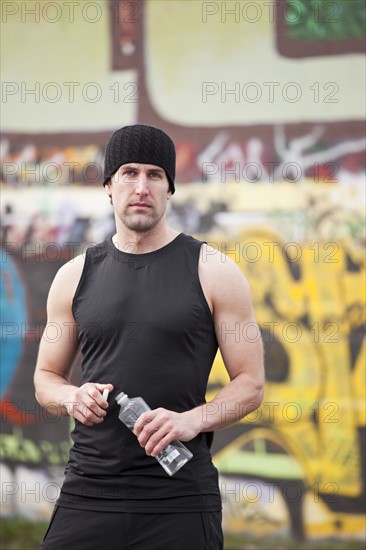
{"x":265,"y":103}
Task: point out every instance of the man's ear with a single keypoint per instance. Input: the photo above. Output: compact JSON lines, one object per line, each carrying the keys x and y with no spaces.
{"x":108,"y":187}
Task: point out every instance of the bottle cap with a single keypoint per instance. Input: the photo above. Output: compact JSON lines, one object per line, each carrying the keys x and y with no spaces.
{"x":121,"y":397}
{"x":105,"y":394}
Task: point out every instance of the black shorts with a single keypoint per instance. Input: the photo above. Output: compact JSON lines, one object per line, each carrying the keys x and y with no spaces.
{"x":91,"y":530}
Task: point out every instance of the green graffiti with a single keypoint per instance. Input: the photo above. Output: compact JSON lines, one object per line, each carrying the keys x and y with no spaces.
{"x":16,"y":448}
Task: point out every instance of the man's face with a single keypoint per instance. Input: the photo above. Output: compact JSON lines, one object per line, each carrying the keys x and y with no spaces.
{"x":139,"y":194}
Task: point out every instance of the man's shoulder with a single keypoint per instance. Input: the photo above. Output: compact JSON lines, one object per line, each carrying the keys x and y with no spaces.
{"x":214,"y":258}
{"x":220,"y":270}
{"x":90,"y":253}
{"x":71,"y":270}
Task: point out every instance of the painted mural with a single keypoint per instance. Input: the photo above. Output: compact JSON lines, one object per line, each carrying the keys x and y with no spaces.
{"x":265,"y":103}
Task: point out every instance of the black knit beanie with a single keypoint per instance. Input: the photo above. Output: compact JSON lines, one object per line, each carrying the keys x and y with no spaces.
{"x":141,"y":144}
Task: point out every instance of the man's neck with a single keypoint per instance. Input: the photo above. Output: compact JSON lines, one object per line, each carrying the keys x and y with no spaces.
{"x":141,"y":243}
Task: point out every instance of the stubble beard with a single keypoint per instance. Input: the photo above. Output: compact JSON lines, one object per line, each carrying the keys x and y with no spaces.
{"x":143,"y":222}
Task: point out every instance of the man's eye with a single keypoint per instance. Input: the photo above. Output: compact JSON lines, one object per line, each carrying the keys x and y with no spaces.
{"x":155,"y":174}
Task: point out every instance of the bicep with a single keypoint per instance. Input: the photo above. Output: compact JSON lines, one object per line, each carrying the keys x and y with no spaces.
{"x":59,"y":343}
{"x":57,"y":353}
{"x":237,"y":331}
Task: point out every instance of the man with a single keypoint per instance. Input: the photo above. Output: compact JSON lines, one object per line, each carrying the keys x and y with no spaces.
{"x":150,"y":307}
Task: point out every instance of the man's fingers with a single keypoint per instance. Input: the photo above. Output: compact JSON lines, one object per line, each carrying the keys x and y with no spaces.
{"x":87,"y":411}
{"x":102,"y":388}
{"x":160,"y":445}
{"x":81,"y":417}
{"x":157,"y":442}
{"x":141,"y":422}
{"x":89,"y":404}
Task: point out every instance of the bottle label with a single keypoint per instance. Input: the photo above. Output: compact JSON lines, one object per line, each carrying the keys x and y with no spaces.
{"x":172,"y":455}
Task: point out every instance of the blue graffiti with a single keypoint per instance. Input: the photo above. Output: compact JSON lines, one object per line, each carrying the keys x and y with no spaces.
{"x":13,"y":313}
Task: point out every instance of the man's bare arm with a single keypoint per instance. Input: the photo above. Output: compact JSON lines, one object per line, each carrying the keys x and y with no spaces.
{"x":240,"y":345}
{"x":56,"y":357}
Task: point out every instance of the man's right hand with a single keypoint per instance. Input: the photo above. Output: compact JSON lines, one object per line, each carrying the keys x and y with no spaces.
{"x":86,"y":403}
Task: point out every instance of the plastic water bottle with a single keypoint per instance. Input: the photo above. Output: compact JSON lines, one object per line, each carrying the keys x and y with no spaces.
{"x":175,"y":455}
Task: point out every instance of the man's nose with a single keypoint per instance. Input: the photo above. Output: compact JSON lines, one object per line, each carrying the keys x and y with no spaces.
{"x":142,"y":187}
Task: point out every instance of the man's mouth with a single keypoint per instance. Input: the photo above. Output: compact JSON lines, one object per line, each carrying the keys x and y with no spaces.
{"x":138,"y":204}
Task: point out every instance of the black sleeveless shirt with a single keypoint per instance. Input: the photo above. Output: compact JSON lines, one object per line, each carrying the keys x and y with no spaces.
{"x":144,"y":326}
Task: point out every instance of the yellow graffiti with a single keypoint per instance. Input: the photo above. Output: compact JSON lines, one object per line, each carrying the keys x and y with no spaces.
{"x":311,"y":303}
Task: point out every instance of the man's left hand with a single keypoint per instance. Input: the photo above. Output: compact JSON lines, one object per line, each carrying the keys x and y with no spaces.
{"x":157,"y":428}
